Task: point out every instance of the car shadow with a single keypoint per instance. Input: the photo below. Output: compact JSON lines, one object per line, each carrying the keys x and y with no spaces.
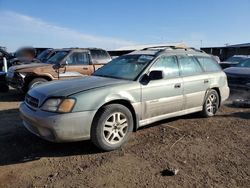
{"x":17,"y":145}
{"x":242,"y":115}
{"x":12,"y":96}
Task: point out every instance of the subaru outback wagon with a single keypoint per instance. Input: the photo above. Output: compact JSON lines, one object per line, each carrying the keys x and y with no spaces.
{"x":129,"y":92}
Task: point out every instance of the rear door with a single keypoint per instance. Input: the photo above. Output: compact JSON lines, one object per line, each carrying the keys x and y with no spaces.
{"x":195,"y":81}
{"x":163,"y":96}
{"x":77,"y":65}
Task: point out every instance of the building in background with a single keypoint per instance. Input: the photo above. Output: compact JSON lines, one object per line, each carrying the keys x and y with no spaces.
{"x":228,"y":51}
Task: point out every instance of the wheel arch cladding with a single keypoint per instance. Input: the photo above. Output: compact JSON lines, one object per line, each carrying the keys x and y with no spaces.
{"x":125,"y":103}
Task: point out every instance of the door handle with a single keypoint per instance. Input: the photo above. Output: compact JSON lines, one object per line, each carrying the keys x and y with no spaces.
{"x":85,"y":68}
{"x":177,"y":86}
{"x":206,"y":81}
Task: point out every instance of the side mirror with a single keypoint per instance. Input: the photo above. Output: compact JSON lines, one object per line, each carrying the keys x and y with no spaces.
{"x":156,"y":75}
{"x":56,"y":66}
{"x":60,"y":65}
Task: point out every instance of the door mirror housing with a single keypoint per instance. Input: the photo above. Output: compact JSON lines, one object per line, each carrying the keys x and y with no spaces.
{"x":156,"y":75}
{"x":60,"y":65}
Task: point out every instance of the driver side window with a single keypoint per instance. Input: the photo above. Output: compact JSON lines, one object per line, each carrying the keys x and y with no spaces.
{"x":78,"y":58}
{"x":168,"y":65}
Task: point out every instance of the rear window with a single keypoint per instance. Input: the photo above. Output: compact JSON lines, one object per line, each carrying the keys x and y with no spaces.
{"x":209,"y":64}
{"x":99,"y":54}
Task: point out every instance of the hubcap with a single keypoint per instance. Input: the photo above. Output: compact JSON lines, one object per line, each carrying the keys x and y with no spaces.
{"x":211,"y":104}
{"x":115,"y":128}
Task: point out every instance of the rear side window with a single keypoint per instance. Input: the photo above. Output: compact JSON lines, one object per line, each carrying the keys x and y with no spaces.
{"x":189,"y":66}
{"x":78,"y":58}
{"x":99,"y":54}
{"x":168,"y":65}
{"x":208,"y":64}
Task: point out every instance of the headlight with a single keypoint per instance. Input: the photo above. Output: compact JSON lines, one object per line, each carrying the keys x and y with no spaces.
{"x":59,"y":105}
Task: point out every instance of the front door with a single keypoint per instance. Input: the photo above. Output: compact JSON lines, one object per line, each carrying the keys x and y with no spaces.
{"x":163,"y":96}
{"x":77,"y":65}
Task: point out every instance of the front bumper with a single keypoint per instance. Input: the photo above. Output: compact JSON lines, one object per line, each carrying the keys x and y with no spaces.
{"x":14,"y":80}
{"x":56,"y":127}
{"x":239,"y":87}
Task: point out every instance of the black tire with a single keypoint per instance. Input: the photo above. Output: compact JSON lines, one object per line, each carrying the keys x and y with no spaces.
{"x":211,"y":103}
{"x":101,"y":138}
{"x":36,"y":82}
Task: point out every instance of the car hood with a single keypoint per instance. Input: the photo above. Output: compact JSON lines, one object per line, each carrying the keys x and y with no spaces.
{"x":27,"y":66}
{"x":68,"y":87}
{"x":23,"y":60}
{"x":238,"y":71}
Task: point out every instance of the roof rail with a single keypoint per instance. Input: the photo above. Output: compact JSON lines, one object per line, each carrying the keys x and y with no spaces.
{"x":180,"y":48}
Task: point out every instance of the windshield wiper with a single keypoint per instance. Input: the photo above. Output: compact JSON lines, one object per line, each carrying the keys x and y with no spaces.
{"x":103,"y":75}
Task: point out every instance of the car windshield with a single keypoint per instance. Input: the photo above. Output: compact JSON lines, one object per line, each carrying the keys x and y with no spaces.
{"x":58,"y":57}
{"x":234,"y":59}
{"x":44,"y":55}
{"x":245,"y":63}
{"x":126,"y":67}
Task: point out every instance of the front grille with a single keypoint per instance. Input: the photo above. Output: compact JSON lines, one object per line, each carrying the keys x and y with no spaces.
{"x":31,"y":101}
{"x":238,"y":80}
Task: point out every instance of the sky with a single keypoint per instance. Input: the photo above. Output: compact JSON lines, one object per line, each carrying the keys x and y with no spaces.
{"x":112,"y":24}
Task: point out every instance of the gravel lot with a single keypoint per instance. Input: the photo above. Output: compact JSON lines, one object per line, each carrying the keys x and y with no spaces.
{"x":211,"y":152}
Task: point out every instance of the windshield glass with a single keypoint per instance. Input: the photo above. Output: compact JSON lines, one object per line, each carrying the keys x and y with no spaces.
{"x":125,"y":67}
{"x":236,"y":59}
{"x":44,"y":55}
{"x":57,"y":58}
{"x":245,"y":63}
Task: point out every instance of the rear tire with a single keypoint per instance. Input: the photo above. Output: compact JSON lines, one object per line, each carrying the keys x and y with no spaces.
{"x":211,"y":103}
{"x":111,"y":127}
{"x":35,"y":82}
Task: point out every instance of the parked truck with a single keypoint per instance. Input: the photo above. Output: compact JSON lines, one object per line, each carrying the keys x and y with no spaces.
{"x":66,"y":63}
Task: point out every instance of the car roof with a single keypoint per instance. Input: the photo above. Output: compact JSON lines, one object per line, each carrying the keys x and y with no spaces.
{"x":169,"y":50}
{"x":75,"y":48}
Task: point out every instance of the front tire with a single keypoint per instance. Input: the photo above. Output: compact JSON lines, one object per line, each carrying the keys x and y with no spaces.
{"x":111,"y":127}
{"x":35,"y":82}
{"x":211,"y":103}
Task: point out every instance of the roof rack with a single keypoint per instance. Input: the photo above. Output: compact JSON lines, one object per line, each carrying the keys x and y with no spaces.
{"x":162,"y":47}
{"x":179,"y":47}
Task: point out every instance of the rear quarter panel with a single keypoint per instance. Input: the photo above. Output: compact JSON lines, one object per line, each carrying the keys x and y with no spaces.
{"x":219,"y":80}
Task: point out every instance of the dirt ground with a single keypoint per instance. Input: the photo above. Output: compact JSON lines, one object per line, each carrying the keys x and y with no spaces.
{"x":213,"y":152}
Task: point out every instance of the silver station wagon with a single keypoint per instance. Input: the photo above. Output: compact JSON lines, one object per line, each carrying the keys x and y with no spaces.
{"x":131,"y":91}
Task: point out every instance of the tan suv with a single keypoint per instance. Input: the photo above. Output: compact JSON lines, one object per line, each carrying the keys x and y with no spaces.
{"x":64,"y":64}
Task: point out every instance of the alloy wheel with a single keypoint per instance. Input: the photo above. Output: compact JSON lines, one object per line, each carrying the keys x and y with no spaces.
{"x":211,"y":104}
{"x":115,"y":128}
